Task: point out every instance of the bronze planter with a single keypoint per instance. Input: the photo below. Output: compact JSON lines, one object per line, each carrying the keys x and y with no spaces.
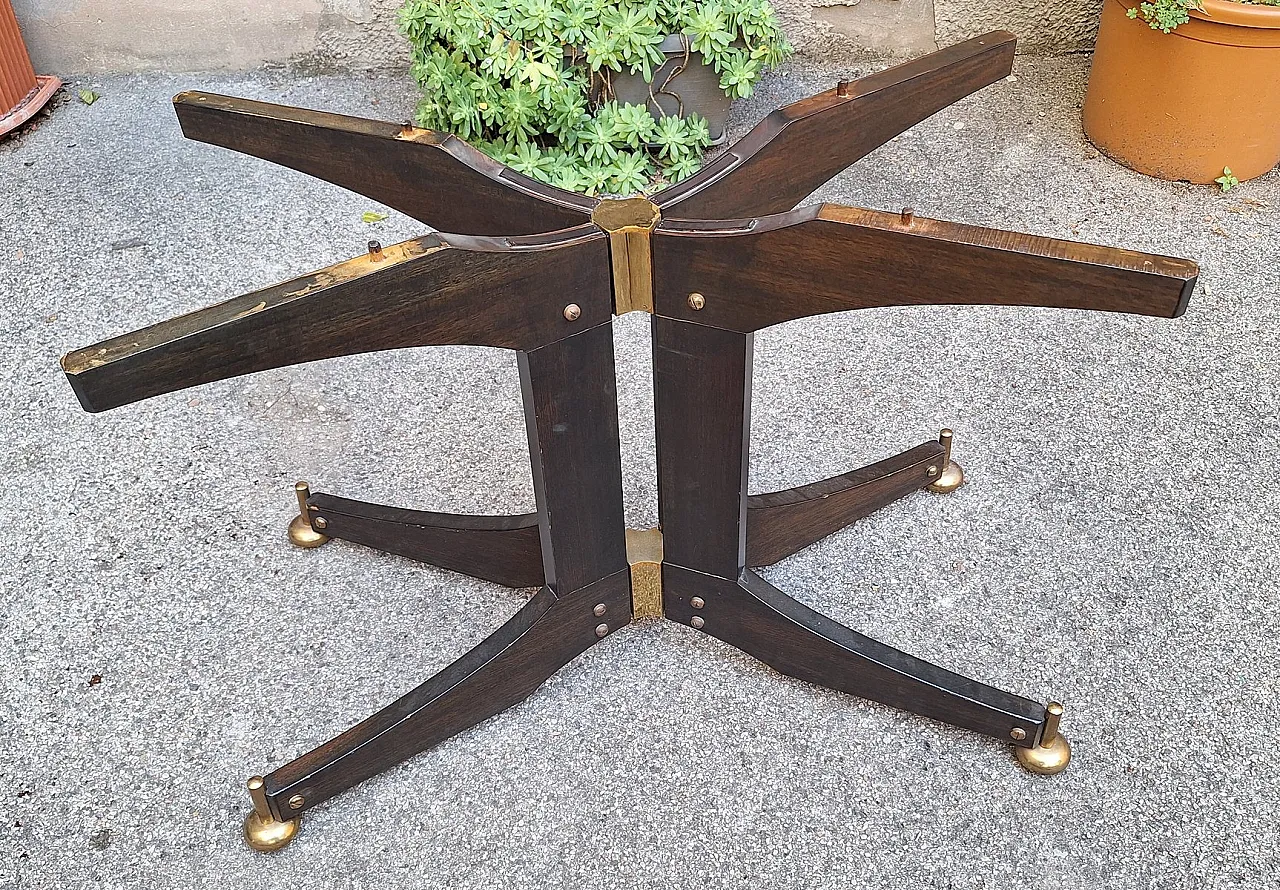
{"x":682,"y":84}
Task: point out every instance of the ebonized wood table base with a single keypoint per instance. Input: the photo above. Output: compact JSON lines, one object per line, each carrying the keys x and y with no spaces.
{"x":527,"y":267}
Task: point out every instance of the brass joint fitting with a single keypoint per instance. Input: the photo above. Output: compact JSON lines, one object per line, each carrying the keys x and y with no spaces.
{"x":644,"y":553}
{"x":630,"y":223}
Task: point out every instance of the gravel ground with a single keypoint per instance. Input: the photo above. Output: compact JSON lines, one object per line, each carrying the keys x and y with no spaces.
{"x":1115,"y":548}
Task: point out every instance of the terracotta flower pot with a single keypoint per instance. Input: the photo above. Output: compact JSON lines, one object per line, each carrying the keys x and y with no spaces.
{"x":1184,"y":105}
{"x":22,"y":93}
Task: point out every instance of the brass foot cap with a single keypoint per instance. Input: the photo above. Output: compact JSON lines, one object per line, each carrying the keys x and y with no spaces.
{"x":1047,"y":760}
{"x":301,"y":534}
{"x":268,"y":835}
{"x":952,"y":478}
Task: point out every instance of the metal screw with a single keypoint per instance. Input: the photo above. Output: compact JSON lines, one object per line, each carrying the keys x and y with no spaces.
{"x":572,"y":312}
{"x":375,"y":250}
{"x":1017,"y":733}
{"x":296,"y":802}
{"x":697,"y":602}
{"x":697,"y":621}
{"x":842,"y":89}
{"x":320,"y":522}
{"x":907,"y":215}
{"x":600,"y":609}
{"x":697,"y":301}
{"x":933,"y":471}
{"x":602,"y":630}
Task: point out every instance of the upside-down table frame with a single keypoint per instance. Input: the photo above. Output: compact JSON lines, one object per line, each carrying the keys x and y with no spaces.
{"x":531,"y":268}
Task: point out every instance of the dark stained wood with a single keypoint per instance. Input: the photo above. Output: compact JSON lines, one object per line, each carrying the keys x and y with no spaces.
{"x":571,"y":411}
{"x":502,"y":549}
{"x":783,"y":522}
{"x":830,"y":258}
{"x":570,"y":397}
{"x":702,"y":403}
{"x":433,"y":177}
{"x":505,"y":669}
{"x":512,"y":291}
{"x":759,"y":619}
{"x":796,"y":149}
{"x":441,"y":289}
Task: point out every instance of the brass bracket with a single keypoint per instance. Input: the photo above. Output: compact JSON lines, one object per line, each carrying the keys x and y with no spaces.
{"x":630,"y":223}
{"x":644,"y":553}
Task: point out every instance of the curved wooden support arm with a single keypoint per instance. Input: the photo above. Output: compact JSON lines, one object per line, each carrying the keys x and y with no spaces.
{"x":433,"y":177}
{"x":506,"y":550}
{"x":503,"y":670}
{"x":797,"y":148}
{"x":829,"y":258}
{"x":754,"y":616}
{"x":784,"y":522}
{"x":432,"y":291}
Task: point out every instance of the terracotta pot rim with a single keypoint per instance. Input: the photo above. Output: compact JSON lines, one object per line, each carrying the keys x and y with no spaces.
{"x":1245,"y":15}
{"x":1229,"y":12}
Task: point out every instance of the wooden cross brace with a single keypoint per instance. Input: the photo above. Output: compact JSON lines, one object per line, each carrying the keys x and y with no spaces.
{"x":535,"y":269}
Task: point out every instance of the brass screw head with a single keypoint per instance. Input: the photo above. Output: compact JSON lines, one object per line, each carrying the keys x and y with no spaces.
{"x":697,"y":602}
{"x":697,"y":301}
{"x":697,"y":622}
{"x":1017,"y":733}
{"x":602,"y":630}
{"x":321,"y":522}
{"x":296,"y":802}
{"x":933,"y":471}
{"x":600,"y":609}
{"x":572,"y":312}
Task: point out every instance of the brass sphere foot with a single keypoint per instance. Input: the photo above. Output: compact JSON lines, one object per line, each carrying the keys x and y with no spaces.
{"x":268,"y":835}
{"x":1046,"y":760}
{"x":301,"y":534}
{"x":952,"y":478}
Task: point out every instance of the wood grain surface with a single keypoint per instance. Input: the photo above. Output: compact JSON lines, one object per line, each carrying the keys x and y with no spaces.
{"x":507,"y":292}
{"x":830,"y":258}
{"x":781,"y":523}
{"x":503,"y":549}
{"x":571,"y":410}
{"x":433,"y":177}
{"x":797,"y":148}
{"x":505,"y":669}
{"x":754,"y":616}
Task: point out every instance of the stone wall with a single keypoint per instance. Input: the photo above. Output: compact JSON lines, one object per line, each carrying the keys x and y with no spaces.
{"x":82,"y":36}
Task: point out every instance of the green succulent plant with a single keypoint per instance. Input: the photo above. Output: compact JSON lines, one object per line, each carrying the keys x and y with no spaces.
{"x":528,"y":82}
{"x":1167,"y":15}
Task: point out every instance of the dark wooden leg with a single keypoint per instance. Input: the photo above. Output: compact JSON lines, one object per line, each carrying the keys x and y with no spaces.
{"x":508,"y":292}
{"x":798,"y":148}
{"x":502,"y":671}
{"x":503,"y":549}
{"x":702,"y":404}
{"x":434,"y":177}
{"x":761,"y":620}
{"x":571,"y":408}
{"x":783,"y":522}
{"x":702,"y":393}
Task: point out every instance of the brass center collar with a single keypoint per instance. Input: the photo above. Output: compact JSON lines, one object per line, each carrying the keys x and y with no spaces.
{"x":630,"y":223}
{"x":621,"y":214}
{"x":644,"y":553}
